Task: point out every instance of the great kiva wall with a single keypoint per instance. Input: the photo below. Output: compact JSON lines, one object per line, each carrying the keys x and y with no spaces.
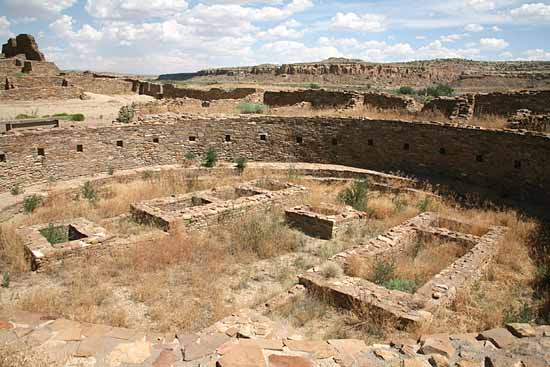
{"x":177,"y":235}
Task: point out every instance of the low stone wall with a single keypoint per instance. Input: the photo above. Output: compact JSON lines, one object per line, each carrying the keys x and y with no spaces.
{"x":43,"y":68}
{"x":524,"y":119}
{"x":506,"y":104}
{"x":32,"y":81}
{"x":385,"y":101}
{"x":451,"y":107}
{"x":317,"y":98}
{"x":171,"y":91}
{"x":29,"y":94}
{"x":323,"y":222}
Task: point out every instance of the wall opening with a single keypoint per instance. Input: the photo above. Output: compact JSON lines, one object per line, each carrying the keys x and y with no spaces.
{"x":479,"y":158}
{"x":406,"y":146}
{"x":334,"y":141}
{"x":228,"y":138}
{"x":119,"y":143}
{"x":263,"y":137}
{"x":370,"y":142}
{"x":156,"y":140}
{"x":192,"y":138}
{"x":40,"y":151}
{"x":299,"y":140}
{"x":2,"y":157}
{"x":79,"y":148}
{"x":517,"y":164}
{"x":442,"y":151}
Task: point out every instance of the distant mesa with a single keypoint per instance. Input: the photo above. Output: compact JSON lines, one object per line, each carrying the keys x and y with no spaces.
{"x":24,"y":45}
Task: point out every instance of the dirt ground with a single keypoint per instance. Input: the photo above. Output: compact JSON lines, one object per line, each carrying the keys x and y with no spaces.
{"x":99,"y":110}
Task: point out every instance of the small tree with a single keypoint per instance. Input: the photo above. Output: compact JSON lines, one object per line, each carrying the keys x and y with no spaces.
{"x":356,"y":195}
{"x":30,"y":203}
{"x":16,"y":190}
{"x":6,"y":280}
{"x":241,"y":163}
{"x":88,"y":192}
{"x":405,"y":90}
{"x":211,"y":158}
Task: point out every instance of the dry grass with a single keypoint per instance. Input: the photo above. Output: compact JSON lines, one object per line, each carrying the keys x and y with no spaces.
{"x":12,"y":252}
{"x":490,"y":121}
{"x":19,"y":354}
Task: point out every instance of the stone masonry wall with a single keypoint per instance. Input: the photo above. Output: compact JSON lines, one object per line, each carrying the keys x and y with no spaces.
{"x":506,"y":104}
{"x":385,"y":101}
{"x":171,"y":91}
{"x":28,"y":94}
{"x":507,"y":162}
{"x":317,"y":98}
{"x":97,"y":84}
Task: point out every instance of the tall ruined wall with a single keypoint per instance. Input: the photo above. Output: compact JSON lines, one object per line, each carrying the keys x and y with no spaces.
{"x":317,"y":98}
{"x":40,"y":68}
{"x":171,"y":91}
{"x":23,"y":45}
{"x":506,"y":104}
{"x":504,"y":161}
{"x":101,"y":85}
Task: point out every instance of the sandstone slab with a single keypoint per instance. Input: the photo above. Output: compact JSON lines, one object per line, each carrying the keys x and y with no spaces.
{"x":289,"y":361}
{"x":500,"y":337}
{"x":243,"y":356}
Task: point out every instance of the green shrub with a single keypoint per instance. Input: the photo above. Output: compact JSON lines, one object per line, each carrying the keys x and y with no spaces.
{"x":23,"y":116}
{"x":523,"y":315}
{"x":403,"y":285}
{"x":16,"y":190}
{"x":331,"y":270}
{"x":384,"y":271}
{"x":424,"y":205}
{"x":250,"y":107}
{"x":55,"y":234}
{"x":190,"y":156}
{"x":6,"y":280}
{"x":126,"y":114}
{"x":88,"y":192}
{"x":313,"y":86}
{"x":110,"y":171}
{"x":30,"y":203}
{"x":437,"y":91}
{"x":405,"y":90}
{"x":62,"y":114}
{"x":211,"y":158}
{"x":356,"y":195}
{"x":241,"y":163}
{"x":77,"y":117}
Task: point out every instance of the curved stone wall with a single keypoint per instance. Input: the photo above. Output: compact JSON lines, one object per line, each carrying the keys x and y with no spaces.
{"x":513,"y":163}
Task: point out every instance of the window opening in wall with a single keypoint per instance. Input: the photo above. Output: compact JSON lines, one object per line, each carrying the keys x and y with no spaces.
{"x":156,"y":140}
{"x":119,"y":143}
{"x":228,"y":138}
{"x":479,"y":158}
{"x":299,"y":140}
{"x":79,"y":148}
{"x":334,"y":141}
{"x":192,"y":138}
{"x":517,"y":164}
{"x":40,"y":151}
{"x":370,"y":142}
{"x":442,"y":151}
{"x":2,"y":157}
{"x":406,"y":146}
{"x":263,"y":137}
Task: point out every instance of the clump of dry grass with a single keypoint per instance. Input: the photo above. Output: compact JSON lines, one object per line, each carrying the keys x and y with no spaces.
{"x":20,"y":354}
{"x":331,"y":270}
{"x":12,"y":251}
{"x":490,"y":121}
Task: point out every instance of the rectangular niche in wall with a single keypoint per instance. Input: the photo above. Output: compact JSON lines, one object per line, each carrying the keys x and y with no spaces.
{"x":79,"y":148}
{"x":2,"y":157}
{"x":192,"y":138}
{"x":119,"y":143}
{"x":40,"y":151}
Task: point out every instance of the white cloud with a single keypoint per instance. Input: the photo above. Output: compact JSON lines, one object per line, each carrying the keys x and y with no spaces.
{"x":420,"y":37}
{"x":363,"y":23}
{"x":436,"y":50}
{"x":534,"y":11}
{"x":537,"y":55}
{"x":474,"y":28}
{"x":451,"y":38}
{"x":64,"y":28}
{"x":291,"y":51}
{"x":496,"y":29}
{"x":35,"y":8}
{"x":134,"y":9}
{"x":5,"y":27}
{"x":493,"y":44}
{"x":280,"y":31}
{"x":481,"y":5}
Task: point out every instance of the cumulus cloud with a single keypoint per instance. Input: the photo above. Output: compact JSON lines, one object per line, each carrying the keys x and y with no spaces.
{"x":45,"y":9}
{"x":64,"y":28}
{"x":134,"y":9}
{"x":5,"y":27}
{"x":533,"y":11}
{"x":362,"y":23}
{"x":474,"y":28}
{"x":280,"y":31}
{"x":493,"y":44}
{"x":496,"y":29}
{"x":292,"y":51}
{"x":481,"y":5}
{"x":451,"y":38}
{"x":537,"y":55}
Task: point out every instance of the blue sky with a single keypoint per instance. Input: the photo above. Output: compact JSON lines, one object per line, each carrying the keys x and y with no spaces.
{"x":165,"y":36}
